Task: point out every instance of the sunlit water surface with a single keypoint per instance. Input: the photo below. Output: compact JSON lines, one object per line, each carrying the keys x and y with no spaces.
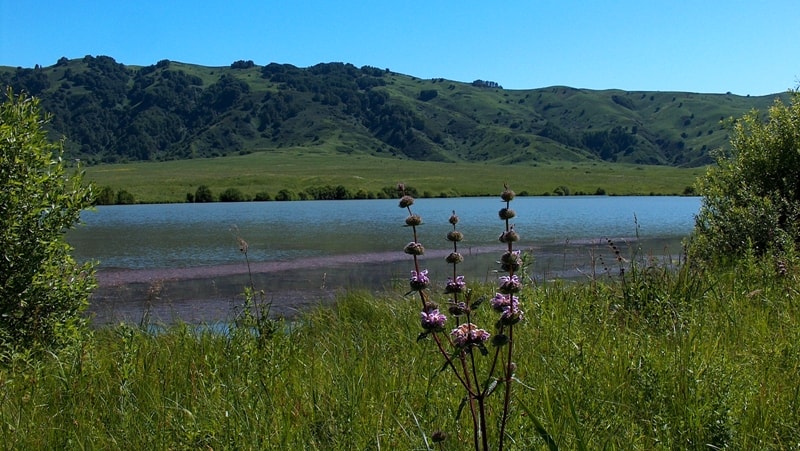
{"x":182,"y":261}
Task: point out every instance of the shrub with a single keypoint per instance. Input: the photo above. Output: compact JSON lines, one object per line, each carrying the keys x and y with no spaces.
{"x":203,"y":194}
{"x":232,"y":195}
{"x":751,"y":197}
{"x":43,"y":291}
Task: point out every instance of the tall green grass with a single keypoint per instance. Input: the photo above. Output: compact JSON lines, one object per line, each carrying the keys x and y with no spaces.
{"x":659,"y":359}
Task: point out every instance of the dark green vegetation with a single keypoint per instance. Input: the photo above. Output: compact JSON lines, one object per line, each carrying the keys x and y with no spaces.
{"x":42,"y":289}
{"x":751,"y":198}
{"x":110,"y":112}
{"x":663,"y":360}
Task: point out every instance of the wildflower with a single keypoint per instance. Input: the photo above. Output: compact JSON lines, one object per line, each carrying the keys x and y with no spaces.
{"x":433,"y":320}
{"x":414,"y":248}
{"x":468,"y":334}
{"x":419,"y":280}
{"x":511,"y":315}
{"x":510,"y":284}
{"x":455,"y":286}
{"x":502,"y":301}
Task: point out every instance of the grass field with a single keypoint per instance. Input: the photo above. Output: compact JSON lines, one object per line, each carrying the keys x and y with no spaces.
{"x":298,"y":169}
{"x":659,"y":360}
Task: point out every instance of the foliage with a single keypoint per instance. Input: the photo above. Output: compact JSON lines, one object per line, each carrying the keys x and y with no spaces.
{"x":111,"y":112}
{"x":751,"y":198}
{"x":43,"y":291}
{"x":203,"y":194}
{"x":232,"y":195}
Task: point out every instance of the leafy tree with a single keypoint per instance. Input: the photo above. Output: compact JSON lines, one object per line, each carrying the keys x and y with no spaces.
{"x":203,"y":194}
{"x":106,"y":196}
{"x":43,"y":291}
{"x":751,"y":197}
{"x":262,"y":196}
{"x":125,"y":198}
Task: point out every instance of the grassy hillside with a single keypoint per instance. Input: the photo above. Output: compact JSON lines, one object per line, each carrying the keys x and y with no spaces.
{"x":110,"y":112}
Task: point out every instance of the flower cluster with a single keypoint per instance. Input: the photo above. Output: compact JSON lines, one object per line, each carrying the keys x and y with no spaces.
{"x":433,"y":320}
{"x":468,"y":334}
{"x":419,"y":280}
{"x":456,"y":285}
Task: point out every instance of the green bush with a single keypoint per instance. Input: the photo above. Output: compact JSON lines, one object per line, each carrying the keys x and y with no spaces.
{"x":751,"y":197}
{"x":232,"y":195}
{"x":42,"y":289}
{"x":203,"y":194}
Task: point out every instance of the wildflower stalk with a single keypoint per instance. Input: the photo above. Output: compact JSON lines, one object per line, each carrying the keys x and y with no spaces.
{"x":467,"y":337}
{"x":509,"y":236}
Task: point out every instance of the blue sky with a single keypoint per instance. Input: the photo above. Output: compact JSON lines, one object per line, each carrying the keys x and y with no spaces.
{"x":711,"y":46}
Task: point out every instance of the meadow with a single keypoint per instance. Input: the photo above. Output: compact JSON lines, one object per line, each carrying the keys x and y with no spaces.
{"x":296,"y":170}
{"x":646,"y":358}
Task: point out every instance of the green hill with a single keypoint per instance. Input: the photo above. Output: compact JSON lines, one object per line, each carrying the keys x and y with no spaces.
{"x":110,"y":112}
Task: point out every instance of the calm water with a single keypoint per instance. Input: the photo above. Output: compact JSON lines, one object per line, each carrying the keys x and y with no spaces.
{"x":186,"y":255}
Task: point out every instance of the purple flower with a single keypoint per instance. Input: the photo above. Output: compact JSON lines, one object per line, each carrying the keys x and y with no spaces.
{"x":510,"y":284}
{"x":455,"y":286}
{"x":419,"y":281}
{"x":468,"y":334}
{"x":433,"y":320}
{"x":501,"y":301}
{"x":511,"y":315}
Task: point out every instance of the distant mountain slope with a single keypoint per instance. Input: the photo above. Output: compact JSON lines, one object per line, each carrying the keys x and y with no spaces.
{"x":110,"y":112}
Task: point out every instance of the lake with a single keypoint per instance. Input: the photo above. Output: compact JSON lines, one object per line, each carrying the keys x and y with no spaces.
{"x":182,"y":261}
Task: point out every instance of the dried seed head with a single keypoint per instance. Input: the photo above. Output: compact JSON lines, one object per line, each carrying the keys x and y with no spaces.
{"x":506,"y":213}
{"x":507,"y":195}
{"x":453,"y":218}
{"x":511,"y":261}
{"x":414,"y":248}
{"x":414,"y":220}
{"x":509,"y":236}
{"x":406,"y":201}
{"x":454,"y":258}
{"x":455,"y":235}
